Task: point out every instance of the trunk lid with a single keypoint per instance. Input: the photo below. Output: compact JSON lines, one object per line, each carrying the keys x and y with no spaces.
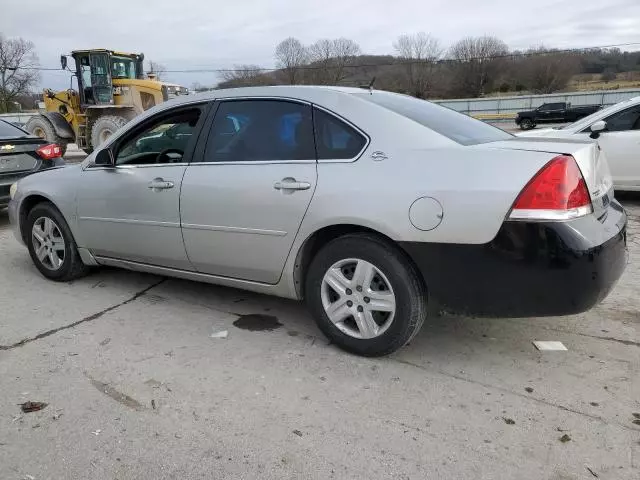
{"x":19,"y":154}
{"x":590,"y":159}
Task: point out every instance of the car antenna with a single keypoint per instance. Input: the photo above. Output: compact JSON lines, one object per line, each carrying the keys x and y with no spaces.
{"x":370,"y":85}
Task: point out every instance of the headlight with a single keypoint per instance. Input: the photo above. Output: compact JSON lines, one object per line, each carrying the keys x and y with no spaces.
{"x":12,"y":190}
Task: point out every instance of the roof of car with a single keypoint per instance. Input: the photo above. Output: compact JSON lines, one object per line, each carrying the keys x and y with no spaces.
{"x":294,"y":91}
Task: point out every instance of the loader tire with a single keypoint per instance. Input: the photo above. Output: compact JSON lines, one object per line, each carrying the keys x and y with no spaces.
{"x":40,"y":126}
{"x":104,"y":127}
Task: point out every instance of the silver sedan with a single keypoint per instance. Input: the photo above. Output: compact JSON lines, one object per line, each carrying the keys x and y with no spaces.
{"x":375,"y":208}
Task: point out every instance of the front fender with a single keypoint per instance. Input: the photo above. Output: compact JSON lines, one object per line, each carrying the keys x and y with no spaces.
{"x":58,"y":186}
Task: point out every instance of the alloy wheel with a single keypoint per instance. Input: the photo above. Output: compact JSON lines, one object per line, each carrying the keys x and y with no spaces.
{"x":48,"y":243}
{"x":358,"y":298}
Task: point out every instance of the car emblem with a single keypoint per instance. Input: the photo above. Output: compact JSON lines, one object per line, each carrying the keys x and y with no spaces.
{"x":7,"y":147}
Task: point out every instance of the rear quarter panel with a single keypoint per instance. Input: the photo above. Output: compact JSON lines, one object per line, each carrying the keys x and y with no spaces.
{"x":476,"y":187}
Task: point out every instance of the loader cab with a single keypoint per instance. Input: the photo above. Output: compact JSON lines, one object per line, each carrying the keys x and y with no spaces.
{"x":96,"y":69}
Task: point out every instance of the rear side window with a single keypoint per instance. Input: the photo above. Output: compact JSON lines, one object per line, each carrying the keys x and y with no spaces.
{"x":335,"y":140}
{"x":449,"y":123}
{"x":261,"y":130}
{"x":10,"y":131}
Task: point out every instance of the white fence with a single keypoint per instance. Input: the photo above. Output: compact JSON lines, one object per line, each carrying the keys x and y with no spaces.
{"x":18,"y":118}
{"x":494,"y":108}
{"x":509,"y":106}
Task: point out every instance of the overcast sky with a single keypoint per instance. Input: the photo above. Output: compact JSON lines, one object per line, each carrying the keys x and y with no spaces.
{"x":184,"y":34}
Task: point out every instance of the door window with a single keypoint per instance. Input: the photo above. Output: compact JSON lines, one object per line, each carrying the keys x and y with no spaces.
{"x":261,"y":130}
{"x":335,"y":139}
{"x":161,"y":142}
{"x":628,"y":119}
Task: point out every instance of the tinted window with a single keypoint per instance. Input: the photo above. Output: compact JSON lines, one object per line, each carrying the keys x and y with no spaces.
{"x":261,"y":130}
{"x":335,"y":139}
{"x":162,"y":141}
{"x":628,"y":119}
{"x":453,"y":125}
{"x":10,"y":131}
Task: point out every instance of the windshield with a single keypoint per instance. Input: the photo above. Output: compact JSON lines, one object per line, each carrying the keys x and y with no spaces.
{"x":456,"y":126}
{"x":123,"y":67}
{"x":586,"y":121}
{"x":10,"y":131}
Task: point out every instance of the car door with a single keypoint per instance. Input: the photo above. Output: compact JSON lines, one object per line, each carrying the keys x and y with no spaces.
{"x":555,"y":112}
{"x":243,"y":202}
{"x":621,"y":144}
{"x":131,"y":211}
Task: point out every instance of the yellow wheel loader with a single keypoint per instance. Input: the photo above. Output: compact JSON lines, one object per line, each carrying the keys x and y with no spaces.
{"x":112,"y":89}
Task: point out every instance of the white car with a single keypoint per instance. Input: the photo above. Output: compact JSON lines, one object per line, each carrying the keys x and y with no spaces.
{"x":617,"y":130}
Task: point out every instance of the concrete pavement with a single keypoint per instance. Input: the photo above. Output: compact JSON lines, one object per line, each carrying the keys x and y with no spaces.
{"x":137,"y":388}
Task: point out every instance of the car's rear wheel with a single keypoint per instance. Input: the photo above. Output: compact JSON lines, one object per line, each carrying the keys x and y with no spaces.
{"x":365,"y":295}
{"x":51,"y":245}
{"x":527,"y":124}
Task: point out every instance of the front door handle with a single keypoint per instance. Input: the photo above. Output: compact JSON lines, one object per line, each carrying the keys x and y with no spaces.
{"x":159,"y":184}
{"x":291,"y":184}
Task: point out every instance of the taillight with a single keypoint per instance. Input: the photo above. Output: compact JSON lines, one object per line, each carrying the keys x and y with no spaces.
{"x":49,"y":152}
{"x":557,"y":192}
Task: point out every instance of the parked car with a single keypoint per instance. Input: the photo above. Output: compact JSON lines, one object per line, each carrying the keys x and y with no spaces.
{"x":375,"y":208}
{"x":22,"y":154}
{"x":617,"y":130}
{"x":558,"y":112}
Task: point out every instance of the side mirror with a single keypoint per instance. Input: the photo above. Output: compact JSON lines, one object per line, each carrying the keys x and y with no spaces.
{"x":597,"y":128}
{"x":63,"y":62}
{"x":104,"y":158}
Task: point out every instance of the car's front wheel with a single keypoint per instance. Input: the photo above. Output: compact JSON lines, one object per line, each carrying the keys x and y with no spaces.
{"x":365,"y":295}
{"x":51,"y":244}
{"x":527,"y":124}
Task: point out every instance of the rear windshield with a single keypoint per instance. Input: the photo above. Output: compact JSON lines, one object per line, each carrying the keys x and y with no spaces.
{"x":456,"y":126}
{"x":9,"y":131}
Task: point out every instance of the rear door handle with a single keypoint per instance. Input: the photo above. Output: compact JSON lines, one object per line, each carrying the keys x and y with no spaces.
{"x":159,"y":184}
{"x":291,"y":184}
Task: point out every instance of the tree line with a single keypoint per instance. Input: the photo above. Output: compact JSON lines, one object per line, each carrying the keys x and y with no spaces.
{"x":421,"y":66}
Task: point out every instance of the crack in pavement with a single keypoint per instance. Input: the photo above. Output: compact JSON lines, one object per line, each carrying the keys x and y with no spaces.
{"x":506,"y":390}
{"x":90,"y":318}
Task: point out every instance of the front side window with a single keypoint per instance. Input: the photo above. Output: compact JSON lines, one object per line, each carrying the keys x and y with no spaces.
{"x":161,"y":142}
{"x":261,"y":130}
{"x":628,"y":119}
{"x":335,"y":139}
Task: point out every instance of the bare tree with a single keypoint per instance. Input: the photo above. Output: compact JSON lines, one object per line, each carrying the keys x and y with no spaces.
{"x":345,"y":52}
{"x":477,"y":61}
{"x":245,"y":76}
{"x":546,"y":71}
{"x":291,"y":55}
{"x":157,"y":69}
{"x":419,"y":54}
{"x":330,"y":60}
{"x":17,"y":70}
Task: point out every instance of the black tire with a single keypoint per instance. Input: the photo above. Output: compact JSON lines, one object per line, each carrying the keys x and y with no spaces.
{"x":72,"y":266}
{"x":408,"y":287}
{"x":103,"y":127}
{"x":527,"y":124}
{"x":40,"y":126}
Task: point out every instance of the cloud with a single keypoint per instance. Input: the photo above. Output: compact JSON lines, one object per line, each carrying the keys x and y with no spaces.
{"x":189,"y":34}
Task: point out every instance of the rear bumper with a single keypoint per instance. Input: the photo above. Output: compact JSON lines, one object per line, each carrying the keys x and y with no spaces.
{"x":529,"y":269}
